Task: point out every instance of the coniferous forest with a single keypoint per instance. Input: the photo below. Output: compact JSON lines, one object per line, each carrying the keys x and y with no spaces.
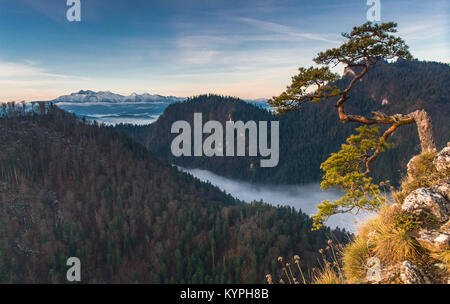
{"x":69,"y":187}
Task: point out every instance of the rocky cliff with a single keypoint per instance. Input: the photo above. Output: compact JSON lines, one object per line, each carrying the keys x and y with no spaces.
{"x":433,"y":205}
{"x":408,"y":242}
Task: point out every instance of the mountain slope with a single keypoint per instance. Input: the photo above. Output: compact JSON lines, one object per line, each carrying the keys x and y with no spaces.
{"x":69,"y":188}
{"x":157,"y":136}
{"x":86,"y":96}
{"x":310,"y":135}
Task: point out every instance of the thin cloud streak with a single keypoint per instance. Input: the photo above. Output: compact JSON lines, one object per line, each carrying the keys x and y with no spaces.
{"x":188,"y":48}
{"x":28,"y":81}
{"x":29,"y":69}
{"x":284,"y":30}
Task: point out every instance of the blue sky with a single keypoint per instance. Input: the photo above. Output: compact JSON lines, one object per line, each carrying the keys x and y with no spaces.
{"x":246,"y":48}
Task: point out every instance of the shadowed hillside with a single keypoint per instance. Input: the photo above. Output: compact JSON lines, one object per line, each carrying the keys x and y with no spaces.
{"x":72,"y":188}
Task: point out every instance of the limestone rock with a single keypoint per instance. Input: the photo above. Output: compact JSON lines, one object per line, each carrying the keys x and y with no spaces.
{"x":389,"y":274}
{"x":411,"y":166}
{"x":412,"y":274}
{"x":429,"y":201}
{"x":442,"y":160}
{"x":443,"y":188}
{"x":433,"y":240}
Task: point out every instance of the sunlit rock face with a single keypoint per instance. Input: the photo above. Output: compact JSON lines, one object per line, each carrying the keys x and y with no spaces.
{"x":431,"y":205}
{"x":442,"y":160}
{"x":433,"y":202}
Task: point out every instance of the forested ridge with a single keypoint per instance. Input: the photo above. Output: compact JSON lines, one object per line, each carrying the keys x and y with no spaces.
{"x":69,"y":187}
{"x":310,"y":135}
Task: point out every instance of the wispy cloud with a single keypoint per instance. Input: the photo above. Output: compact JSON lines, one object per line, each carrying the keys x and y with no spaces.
{"x":13,"y":69}
{"x":26,"y":69}
{"x":247,"y":48}
{"x":247,"y":51}
{"x":423,"y":30}
{"x":28,"y":80}
{"x":428,"y":39}
{"x":287,"y":31}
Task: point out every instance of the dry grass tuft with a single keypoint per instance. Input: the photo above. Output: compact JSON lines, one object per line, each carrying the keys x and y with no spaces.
{"x":354,"y":261}
{"x":421,"y":173}
{"x":329,"y":272}
{"x":390,"y":242}
{"x":380,"y":237}
{"x":328,"y":275}
{"x":443,"y":257}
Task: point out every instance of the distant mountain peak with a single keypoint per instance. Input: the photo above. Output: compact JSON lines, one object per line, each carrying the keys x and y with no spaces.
{"x":87,"y":96}
{"x":84,"y":92}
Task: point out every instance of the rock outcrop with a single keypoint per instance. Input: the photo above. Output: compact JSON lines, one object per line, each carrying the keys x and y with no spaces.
{"x":412,"y":274}
{"x":433,"y":240}
{"x":442,"y":160}
{"x":427,"y":201}
{"x":443,"y":188}
{"x":431,"y":205}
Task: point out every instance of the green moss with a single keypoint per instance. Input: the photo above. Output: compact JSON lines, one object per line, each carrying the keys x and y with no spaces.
{"x":407,"y":222}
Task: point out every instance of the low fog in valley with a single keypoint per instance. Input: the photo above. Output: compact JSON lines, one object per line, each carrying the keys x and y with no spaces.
{"x":304,"y":197}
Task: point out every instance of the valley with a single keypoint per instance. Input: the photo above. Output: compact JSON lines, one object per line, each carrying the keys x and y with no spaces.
{"x":304,"y":198}
{"x":70,"y":187}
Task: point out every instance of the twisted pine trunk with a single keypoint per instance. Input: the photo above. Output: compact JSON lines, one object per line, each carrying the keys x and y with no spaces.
{"x":425,"y":130}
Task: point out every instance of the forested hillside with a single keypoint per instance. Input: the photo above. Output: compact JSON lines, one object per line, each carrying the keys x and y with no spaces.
{"x":308,"y":136}
{"x":157,"y":136}
{"x":73,"y":188}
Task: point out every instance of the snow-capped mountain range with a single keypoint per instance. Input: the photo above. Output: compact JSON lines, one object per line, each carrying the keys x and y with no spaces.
{"x":111,"y":108}
{"x":87,"y":96}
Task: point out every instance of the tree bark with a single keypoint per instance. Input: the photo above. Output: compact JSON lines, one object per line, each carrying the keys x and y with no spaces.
{"x":419,"y":117}
{"x":425,"y":130}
